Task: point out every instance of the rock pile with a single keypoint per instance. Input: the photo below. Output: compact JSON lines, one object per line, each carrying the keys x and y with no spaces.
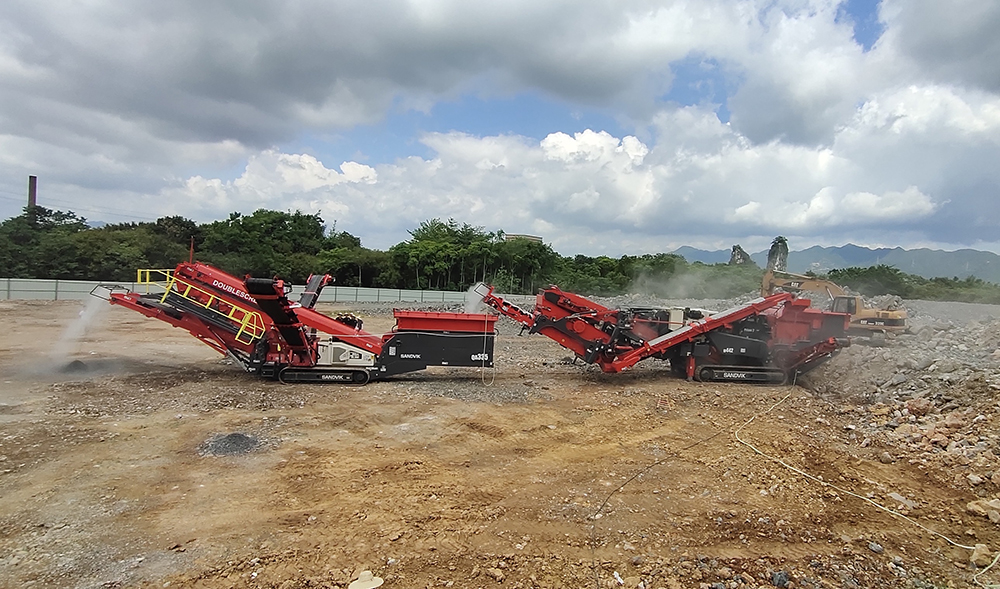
{"x":935,"y":360}
{"x":928,"y":397}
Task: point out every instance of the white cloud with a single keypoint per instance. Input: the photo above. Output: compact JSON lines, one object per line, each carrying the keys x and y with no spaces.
{"x":256,"y":73}
{"x":952,"y":42}
{"x":826,"y":142}
{"x":355,"y":172}
{"x":803,"y":75}
{"x":581,"y":190}
{"x":271,"y":180}
{"x":827,"y":208}
{"x":589,"y":147}
{"x":931,"y":111}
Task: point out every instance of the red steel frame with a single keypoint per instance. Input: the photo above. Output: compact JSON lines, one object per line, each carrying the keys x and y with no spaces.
{"x":792,"y":326}
{"x":220,"y":293}
{"x":693,"y":330}
{"x":580,"y":325}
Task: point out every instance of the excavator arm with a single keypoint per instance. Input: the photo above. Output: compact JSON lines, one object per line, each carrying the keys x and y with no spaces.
{"x":775,"y":281}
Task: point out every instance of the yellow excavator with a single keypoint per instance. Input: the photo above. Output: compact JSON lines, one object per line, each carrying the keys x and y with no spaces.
{"x":873,"y":322}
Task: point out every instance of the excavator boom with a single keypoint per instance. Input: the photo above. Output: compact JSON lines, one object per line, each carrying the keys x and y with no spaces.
{"x":775,"y":281}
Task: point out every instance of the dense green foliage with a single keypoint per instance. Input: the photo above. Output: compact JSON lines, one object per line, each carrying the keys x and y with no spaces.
{"x":883,"y":279}
{"x":43,"y":243}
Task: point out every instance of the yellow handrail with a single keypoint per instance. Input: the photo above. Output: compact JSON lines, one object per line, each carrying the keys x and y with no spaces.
{"x":153,"y":277}
{"x":250,"y":322}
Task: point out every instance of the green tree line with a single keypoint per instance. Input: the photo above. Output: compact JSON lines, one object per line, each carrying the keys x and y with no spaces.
{"x":883,"y":279}
{"x":441,"y":255}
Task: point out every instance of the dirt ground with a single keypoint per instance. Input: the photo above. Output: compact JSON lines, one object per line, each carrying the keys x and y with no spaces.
{"x":542,"y":474}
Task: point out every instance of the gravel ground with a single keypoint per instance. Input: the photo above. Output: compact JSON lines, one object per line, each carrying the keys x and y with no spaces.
{"x":160,"y":464}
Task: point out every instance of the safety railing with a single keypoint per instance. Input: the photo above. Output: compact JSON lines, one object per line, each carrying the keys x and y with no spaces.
{"x":250,"y":322}
{"x":154,"y":277}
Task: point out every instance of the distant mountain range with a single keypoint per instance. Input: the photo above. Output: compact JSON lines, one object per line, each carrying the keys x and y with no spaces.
{"x":922,"y":262}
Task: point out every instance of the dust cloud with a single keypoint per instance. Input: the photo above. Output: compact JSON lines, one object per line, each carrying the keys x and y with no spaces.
{"x":473,"y":302}
{"x":686,"y":286}
{"x":64,"y":348}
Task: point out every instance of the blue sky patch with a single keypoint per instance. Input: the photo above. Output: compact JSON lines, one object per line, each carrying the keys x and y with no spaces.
{"x":864,"y":15}
{"x":701,"y":81}
{"x":398,"y":135}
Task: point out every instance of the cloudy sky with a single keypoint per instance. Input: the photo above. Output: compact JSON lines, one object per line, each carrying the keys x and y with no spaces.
{"x":604,"y":126}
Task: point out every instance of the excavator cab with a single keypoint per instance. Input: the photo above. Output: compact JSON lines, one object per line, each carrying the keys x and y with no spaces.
{"x":847,"y":305}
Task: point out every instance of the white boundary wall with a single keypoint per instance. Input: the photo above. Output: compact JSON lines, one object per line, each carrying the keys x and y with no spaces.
{"x":75,"y":290}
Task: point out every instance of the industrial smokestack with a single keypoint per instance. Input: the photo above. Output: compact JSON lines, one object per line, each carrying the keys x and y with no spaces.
{"x":32,"y":191}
